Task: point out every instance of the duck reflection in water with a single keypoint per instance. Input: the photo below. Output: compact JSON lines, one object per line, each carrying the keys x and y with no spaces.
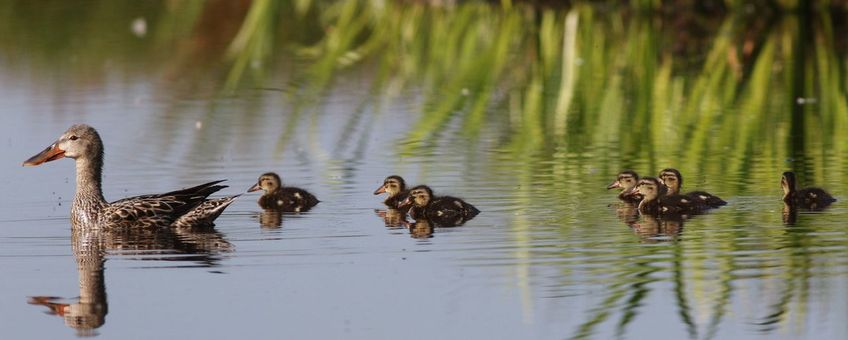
{"x":271,"y":219}
{"x":657,"y":229}
{"x":393,"y":218}
{"x":421,"y":228}
{"x":88,"y":312}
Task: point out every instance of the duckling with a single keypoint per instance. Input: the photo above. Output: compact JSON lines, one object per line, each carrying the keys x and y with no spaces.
{"x":673,"y":180}
{"x":442,"y":210}
{"x":627,"y":180}
{"x":278,"y":197}
{"x":807,"y":198}
{"x":395,"y":186}
{"x":655,"y":203}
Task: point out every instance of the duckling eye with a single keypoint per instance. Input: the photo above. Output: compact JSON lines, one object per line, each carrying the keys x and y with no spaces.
{"x":73,"y":138}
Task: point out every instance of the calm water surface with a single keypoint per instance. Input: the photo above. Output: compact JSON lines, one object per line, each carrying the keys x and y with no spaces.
{"x":551,"y":256}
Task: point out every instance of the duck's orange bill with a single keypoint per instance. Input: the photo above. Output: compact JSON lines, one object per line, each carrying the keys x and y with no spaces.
{"x":615,"y":184}
{"x":380,"y":190}
{"x":255,"y":187}
{"x":51,"y":153}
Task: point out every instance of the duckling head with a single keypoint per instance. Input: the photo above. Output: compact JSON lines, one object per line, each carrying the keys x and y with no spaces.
{"x":78,"y":142}
{"x":420,"y":196}
{"x":392,"y":185}
{"x":649,"y":187}
{"x":268,"y":182}
{"x":788,"y":183}
{"x":672,"y":179}
{"x":626,"y":180}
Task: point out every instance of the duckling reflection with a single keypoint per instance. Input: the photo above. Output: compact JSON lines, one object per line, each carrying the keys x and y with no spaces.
{"x":628,"y":213}
{"x":271,"y":219}
{"x":811,"y":198}
{"x":657,"y":229}
{"x":283,"y":198}
{"x":790,"y":214}
{"x":421,"y":228}
{"x":88,"y":312}
{"x":393,"y":218}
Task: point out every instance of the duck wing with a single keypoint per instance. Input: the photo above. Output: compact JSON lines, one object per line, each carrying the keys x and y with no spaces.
{"x":447,"y":207}
{"x":289,"y":199}
{"x":205,"y":213}
{"x":813,"y":198}
{"x":157,"y":209}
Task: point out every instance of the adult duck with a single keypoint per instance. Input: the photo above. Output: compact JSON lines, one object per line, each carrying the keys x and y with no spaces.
{"x":395,"y":186}
{"x":673,"y":180}
{"x":806,"y":198}
{"x":442,"y":210}
{"x":283,"y":198}
{"x":655,"y":203}
{"x":627,"y":181}
{"x":181,"y":208}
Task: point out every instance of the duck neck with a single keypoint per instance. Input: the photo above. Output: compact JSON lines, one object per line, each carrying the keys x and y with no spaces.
{"x":88,"y":199}
{"x":646,"y":200}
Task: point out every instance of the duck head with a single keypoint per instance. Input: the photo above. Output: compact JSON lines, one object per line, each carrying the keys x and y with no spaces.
{"x":78,"y":142}
{"x":649,"y":187}
{"x":267,"y":182}
{"x":419,"y":196}
{"x":392,"y":185}
{"x":626,"y":180}
{"x":672,"y":179}
{"x":788,"y":183}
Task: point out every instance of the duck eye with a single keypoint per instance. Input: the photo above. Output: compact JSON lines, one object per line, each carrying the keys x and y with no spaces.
{"x":73,"y":138}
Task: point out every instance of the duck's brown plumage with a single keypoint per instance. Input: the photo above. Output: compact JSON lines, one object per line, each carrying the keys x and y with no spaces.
{"x":655,"y":203}
{"x":283,"y":198}
{"x":181,"y":208}
{"x":442,"y":210}
{"x":673,"y":180}
{"x":807,"y":198}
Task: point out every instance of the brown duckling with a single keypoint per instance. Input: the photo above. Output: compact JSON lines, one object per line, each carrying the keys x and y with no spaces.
{"x":627,"y":181}
{"x":278,"y":197}
{"x":395,"y":186}
{"x":442,"y":210}
{"x":673,"y":180}
{"x":806,"y":198}
{"x":655,"y":203}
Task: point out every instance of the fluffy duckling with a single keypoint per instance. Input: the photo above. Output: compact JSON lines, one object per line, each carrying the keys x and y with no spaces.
{"x":673,"y":180}
{"x":807,"y":198}
{"x":278,"y":197}
{"x":442,"y":210}
{"x":627,"y":181}
{"x":655,"y":203}
{"x":395,"y":186}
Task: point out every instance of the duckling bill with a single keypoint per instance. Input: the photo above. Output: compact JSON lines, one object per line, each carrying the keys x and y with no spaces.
{"x":282,"y":198}
{"x":442,"y":210}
